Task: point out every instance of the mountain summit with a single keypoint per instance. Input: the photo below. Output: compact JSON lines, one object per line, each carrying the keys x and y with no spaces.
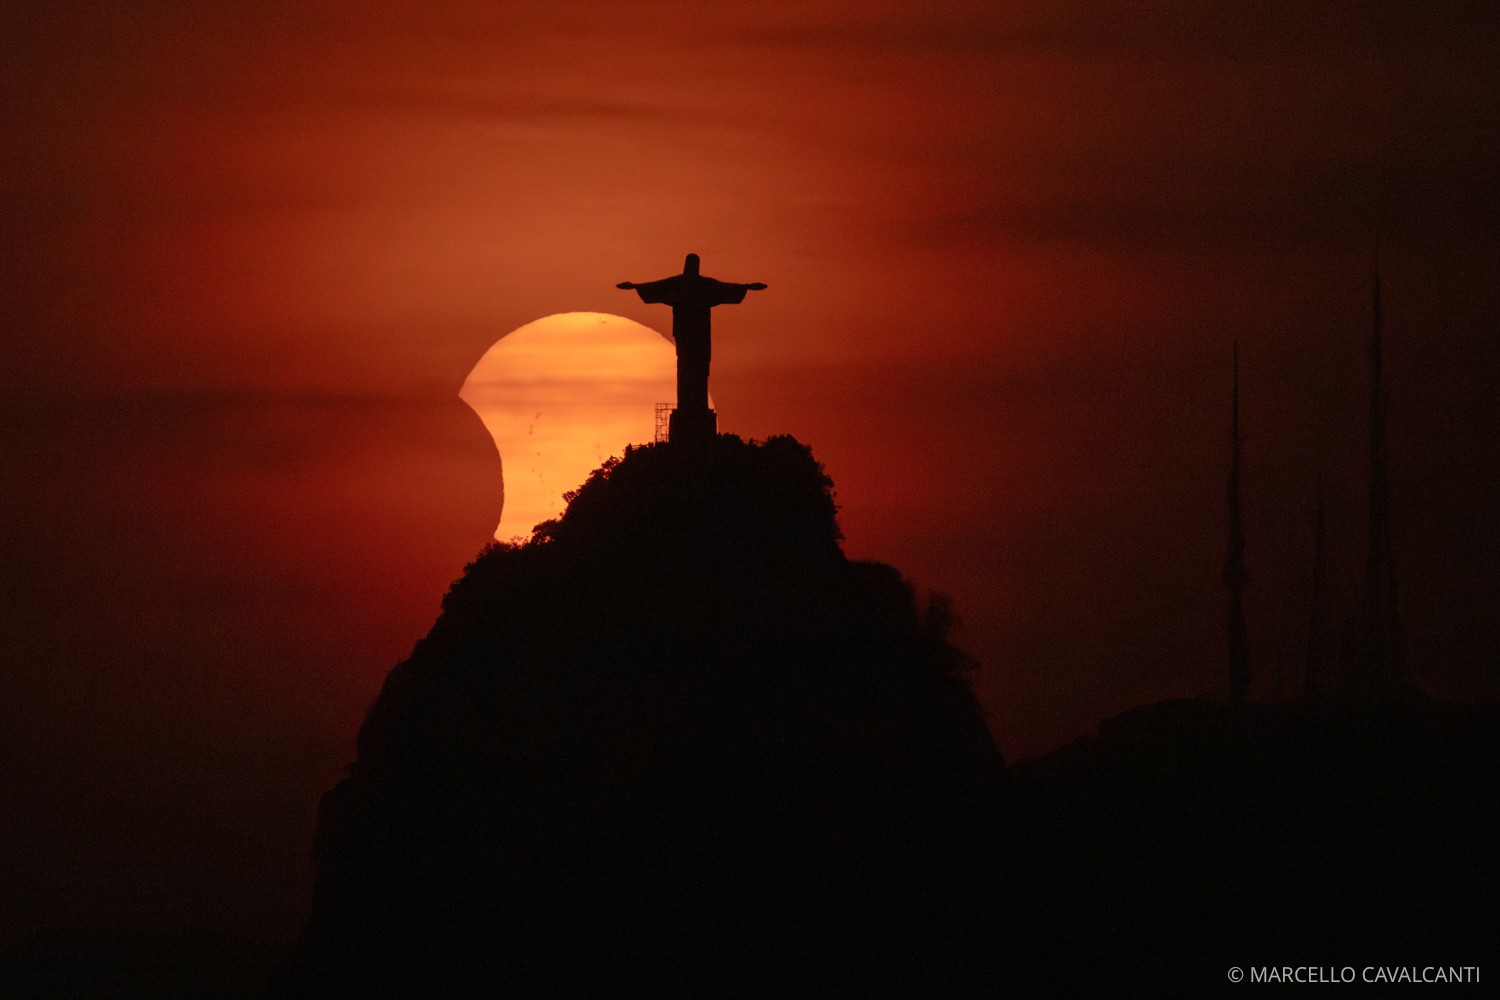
{"x":677,"y":743}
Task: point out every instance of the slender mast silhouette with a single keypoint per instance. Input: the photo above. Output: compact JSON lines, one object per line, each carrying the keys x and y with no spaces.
{"x":1235,"y":574}
{"x":1382,"y":667}
{"x":1313,"y":681}
{"x":692,"y":296}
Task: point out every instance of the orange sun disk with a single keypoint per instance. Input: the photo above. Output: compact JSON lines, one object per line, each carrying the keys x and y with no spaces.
{"x":559,"y":396}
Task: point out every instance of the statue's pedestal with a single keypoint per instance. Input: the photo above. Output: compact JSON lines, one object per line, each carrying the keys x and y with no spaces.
{"x":692,"y":425}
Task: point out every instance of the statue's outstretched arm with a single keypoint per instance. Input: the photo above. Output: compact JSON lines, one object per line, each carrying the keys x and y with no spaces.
{"x":626,"y":285}
{"x":758,"y":286}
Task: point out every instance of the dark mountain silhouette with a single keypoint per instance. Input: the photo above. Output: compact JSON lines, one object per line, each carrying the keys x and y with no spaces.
{"x":676,"y":744}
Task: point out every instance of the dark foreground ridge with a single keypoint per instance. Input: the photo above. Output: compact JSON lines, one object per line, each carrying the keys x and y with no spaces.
{"x":1186,"y":838}
{"x":675,"y":745}
{"x":678,"y":745}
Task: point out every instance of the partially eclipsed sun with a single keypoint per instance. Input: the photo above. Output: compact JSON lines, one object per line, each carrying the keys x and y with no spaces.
{"x":559,"y":396}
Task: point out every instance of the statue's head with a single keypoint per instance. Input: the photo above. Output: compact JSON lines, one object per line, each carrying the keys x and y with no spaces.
{"x":690,"y":265}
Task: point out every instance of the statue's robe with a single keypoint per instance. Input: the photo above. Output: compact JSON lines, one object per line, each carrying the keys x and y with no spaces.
{"x":691,"y":296}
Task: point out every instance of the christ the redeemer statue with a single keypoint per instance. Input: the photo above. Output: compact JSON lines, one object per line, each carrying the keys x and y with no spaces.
{"x":691,"y":296}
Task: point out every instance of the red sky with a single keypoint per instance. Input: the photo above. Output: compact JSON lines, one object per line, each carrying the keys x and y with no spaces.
{"x":253,"y":252}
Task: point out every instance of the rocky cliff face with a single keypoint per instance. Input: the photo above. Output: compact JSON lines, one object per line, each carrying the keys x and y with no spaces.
{"x":677,"y":743}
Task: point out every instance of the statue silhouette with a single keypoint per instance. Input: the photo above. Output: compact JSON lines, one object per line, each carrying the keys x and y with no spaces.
{"x":691,"y":296}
